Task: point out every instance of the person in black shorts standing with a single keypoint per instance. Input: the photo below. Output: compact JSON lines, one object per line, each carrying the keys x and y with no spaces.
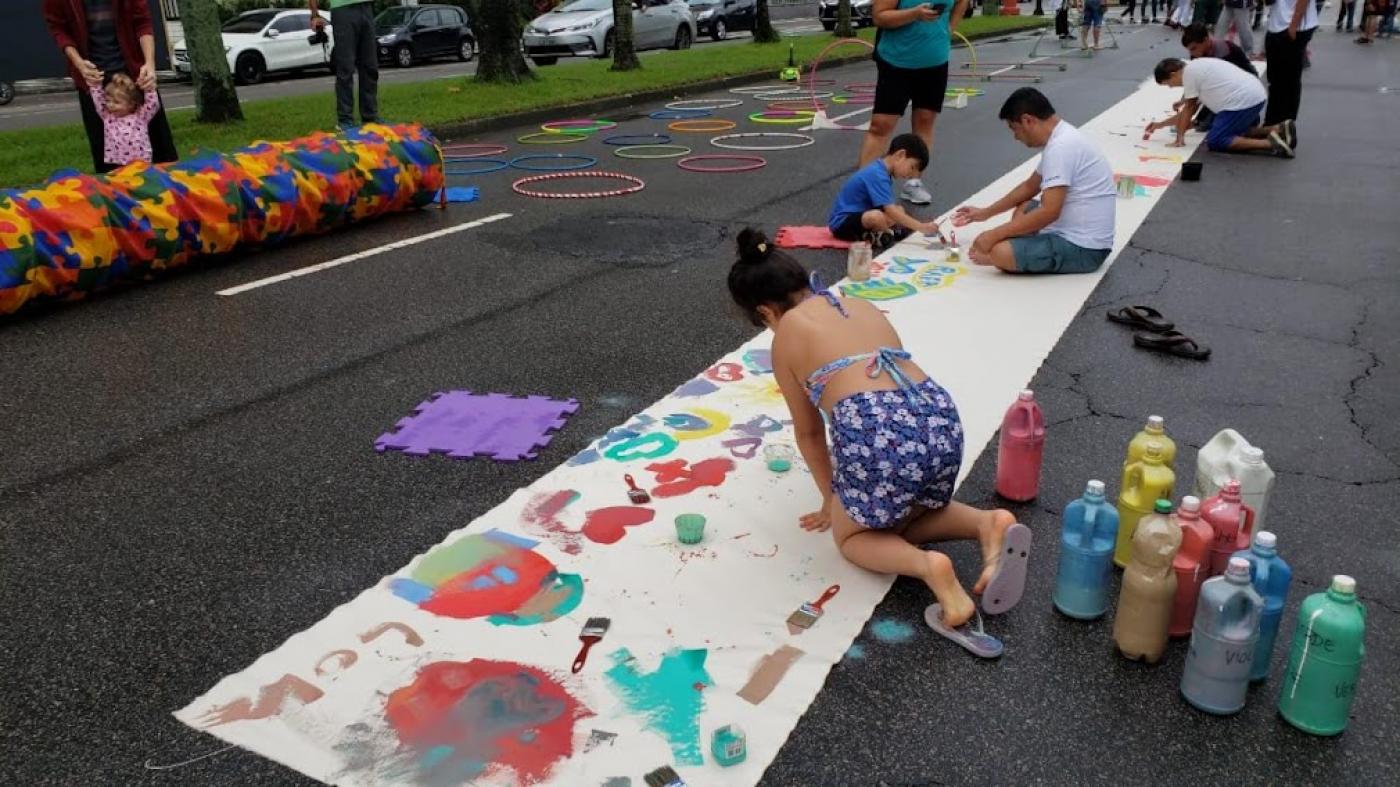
{"x":911,"y":54}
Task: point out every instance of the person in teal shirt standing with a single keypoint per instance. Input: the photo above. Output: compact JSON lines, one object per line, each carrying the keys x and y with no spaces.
{"x":356,"y":50}
{"x":911,"y":55}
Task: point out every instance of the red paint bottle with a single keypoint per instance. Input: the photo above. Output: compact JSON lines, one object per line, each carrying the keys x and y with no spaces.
{"x":1020,"y":448}
{"x":1233,"y":523}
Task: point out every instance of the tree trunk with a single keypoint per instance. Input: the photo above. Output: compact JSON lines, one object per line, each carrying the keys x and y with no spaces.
{"x":763,"y":32}
{"x":498,"y":28}
{"x":624,"y":50}
{"x":215,"y":100}
{"x":843,"y":20}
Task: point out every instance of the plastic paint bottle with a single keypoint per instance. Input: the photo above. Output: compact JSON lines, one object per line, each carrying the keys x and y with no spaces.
{"x":1020,"y":449}
{"x":1191,"y":564}
{"x":1154,"y":429}
{"x":1144,"y":482}
{"x":1149,"y":586}
{"x":1271,"y":577}
{"x":1229,"y":455}
{"x":1233,"y":523}
{"x":1216,"y":678}
{"x":1324,"y":665}
{"x":1086,"y":555}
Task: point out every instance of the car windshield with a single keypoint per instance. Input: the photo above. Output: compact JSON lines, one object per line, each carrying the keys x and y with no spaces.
{"x":251,"y":22}
{"x":393,"y":18}
{"x":584,"y":5}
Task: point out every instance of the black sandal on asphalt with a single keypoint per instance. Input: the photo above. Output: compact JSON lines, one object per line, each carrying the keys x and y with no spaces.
{"x":1172,"y":343}
{"x":1143,"y":318}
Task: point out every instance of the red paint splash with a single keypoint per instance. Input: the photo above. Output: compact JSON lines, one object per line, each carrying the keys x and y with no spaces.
{"x":464,"y":720}
{"x":543,"y":512}
{"x":675,"y":479}
{"x":609,"y":525}
{"x":464,"y":597}
{"x":725,"y":372}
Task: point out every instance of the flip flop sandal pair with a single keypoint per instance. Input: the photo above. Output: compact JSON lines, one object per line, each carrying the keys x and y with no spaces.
{"x":1158,"y":334}
{"x":1002,"y":593}
{"x":970,"y":635}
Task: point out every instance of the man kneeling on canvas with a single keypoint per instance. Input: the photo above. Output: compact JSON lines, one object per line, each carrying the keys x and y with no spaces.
{"x":1069,"y":229}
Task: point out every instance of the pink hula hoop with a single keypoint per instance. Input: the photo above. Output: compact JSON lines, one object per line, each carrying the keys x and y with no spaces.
{"x":634,"y":185}
{"x":472,"y":150}
{"x":861,"y":87}
{"x":816,"y":62}
{"x":754,"y":162}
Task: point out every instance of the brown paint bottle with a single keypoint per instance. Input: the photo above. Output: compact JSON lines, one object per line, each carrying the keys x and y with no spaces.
{"x":1149,"y":587}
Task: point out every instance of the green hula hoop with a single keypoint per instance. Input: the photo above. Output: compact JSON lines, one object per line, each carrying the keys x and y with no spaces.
{"x":799,"y":117}
{"x":551,"y":138}
{"x":632,"y":151}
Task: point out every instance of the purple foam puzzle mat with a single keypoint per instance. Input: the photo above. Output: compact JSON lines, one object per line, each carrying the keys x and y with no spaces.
{"x":464,"y":425}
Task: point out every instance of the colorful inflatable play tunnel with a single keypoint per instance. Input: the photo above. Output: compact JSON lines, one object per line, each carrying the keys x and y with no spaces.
{"x":78,"y":234}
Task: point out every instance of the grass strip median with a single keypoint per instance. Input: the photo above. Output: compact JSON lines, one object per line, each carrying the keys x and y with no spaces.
{"x":29,"y":156}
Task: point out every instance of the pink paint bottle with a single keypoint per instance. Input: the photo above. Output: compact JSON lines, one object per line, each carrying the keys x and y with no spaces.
{"x":1020,"y":449}
{"x":1191,"y":565}
{"x":1233,"y":524}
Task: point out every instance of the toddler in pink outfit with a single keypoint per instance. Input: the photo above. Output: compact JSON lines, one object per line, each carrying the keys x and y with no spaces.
{"x":126,"y":111}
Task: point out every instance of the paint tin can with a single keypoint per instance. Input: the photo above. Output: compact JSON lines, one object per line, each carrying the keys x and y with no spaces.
{"x":690,"y":528}
{"x":1191,"y":170}
{"x":858,"y":260}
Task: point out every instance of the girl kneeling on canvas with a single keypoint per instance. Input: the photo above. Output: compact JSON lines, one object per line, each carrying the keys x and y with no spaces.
{"x":896,"y":441}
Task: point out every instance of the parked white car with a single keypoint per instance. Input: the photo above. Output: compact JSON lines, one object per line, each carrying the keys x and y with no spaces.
{"x":266,"y":40}
{"x":584,"y":28}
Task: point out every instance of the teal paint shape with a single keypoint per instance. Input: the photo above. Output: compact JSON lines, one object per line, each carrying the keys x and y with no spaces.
{"x":668,"y":700}
{"x":892,"y":631}
{"x":856,"y":652}
{"x":567,"y":588}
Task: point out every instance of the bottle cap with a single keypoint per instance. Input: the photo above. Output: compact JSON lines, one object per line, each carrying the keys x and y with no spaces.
{"x":1153,"y":449}
{"x":1344,"y":584}
{"x":1190,"y":504}
{"x":1163,"y":507}
{"x":1027,"y":395}
{"x":1265,"y":540}
{"x":1095,"y":488}
{"x":1238,"y":567}
{"x":1231,"y":488}
{"x":1253,"y":455}
{"x":1155,"y":423}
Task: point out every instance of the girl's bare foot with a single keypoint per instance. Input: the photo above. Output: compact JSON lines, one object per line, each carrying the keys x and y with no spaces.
{"x":941,"y":579}
{"x":991,"y":534}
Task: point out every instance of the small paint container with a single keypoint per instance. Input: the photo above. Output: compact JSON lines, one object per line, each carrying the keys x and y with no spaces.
{"x":1191,"y":170}
{"x":1127,"y":187}
{"x":690,"y":528}
{"x":729,"y":745}
{"x":954,"y":256}
{"x":779,"y":457}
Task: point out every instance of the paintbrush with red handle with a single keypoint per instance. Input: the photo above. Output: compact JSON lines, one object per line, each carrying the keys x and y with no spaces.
{"x":592,"y":634}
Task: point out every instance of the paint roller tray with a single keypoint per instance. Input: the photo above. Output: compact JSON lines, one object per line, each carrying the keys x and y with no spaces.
{"x":464,"y":425}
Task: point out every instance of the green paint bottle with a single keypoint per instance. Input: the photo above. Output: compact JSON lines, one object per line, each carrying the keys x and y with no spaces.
{"x":1325,"y":663}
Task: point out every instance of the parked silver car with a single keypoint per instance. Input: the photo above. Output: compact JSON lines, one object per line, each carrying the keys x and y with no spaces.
{"x":584,"y":28}
{"x":860,"y":13}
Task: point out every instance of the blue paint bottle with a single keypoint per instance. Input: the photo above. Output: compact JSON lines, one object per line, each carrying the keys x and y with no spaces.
{"x":1223,"y":638}
{"x":1271,"y":577}
{"x":1086,"y":555}
{"x":729,"y":745}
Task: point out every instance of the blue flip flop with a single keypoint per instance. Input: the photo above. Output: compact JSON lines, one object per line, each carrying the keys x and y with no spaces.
{"x":1009,"y":583}
{"x":970,"y":635}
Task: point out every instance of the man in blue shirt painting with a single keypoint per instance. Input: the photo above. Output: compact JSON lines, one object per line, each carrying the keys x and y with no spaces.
{"x":911,"y":54}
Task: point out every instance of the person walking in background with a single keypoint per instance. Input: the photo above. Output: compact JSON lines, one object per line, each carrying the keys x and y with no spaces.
{"x":100,"y":38}
{"x":1236,"y":12}
{"x":356,"y":51}
{"x":1291,"y":26}
{"x":1346,"y":10}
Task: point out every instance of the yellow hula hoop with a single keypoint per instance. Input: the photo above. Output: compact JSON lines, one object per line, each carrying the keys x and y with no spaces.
{"x":970,"y":49}
{"x":702,"y":126}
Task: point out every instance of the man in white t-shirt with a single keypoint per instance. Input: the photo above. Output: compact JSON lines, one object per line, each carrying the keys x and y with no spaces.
{"x":1237,"y":99}
{"x":1070,"y":228}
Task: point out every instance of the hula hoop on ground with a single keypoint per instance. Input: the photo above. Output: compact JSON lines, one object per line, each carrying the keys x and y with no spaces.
{"x":752,"y":163}
{"x":634,"y":151}
{"x":822,"y":82}
{"x":469,"y":150}
{"x":516,"y":162}
{"x":785,"y":118}
{"x":817,"y":61}
{"x":485,"y":165}
{"x":970,"y":92}
{"x":784,"y":106}
{"x":630,"y":140}
{"x":855,"y":98}
{"x":701,"y":126}
{"x":551,"y":138}
{"x":707,"y":104}
{"x":861,"y":87}
{"x":577,"y":126}
{"x":804,"y":141}
{"x":793,"y":95}
{"x":680,"y":114}
{"x":634,"y":185}
{"x":752,"y":89}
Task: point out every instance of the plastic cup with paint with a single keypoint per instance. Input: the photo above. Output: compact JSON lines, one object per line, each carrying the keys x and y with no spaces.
{"x":779,"y":457}
{"x":690,"y":528}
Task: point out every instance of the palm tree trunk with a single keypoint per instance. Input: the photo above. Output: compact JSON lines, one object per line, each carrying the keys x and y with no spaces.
{"x":624,"y":51}
{"x":498,"y":29}
{"x":215,"y":99}
{"x":763,"y":32}
{"x":843,"y":20}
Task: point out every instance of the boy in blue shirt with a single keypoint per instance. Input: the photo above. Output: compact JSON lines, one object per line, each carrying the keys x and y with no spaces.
{"x":866,"y":206}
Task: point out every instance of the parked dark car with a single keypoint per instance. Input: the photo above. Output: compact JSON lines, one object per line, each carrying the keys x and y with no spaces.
{"x":409,"y":34}
{"x":860,"y":13}
{"x":718,"y":18}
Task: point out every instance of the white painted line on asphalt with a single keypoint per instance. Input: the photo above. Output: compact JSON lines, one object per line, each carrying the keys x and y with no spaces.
{"x":360,"y":255}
